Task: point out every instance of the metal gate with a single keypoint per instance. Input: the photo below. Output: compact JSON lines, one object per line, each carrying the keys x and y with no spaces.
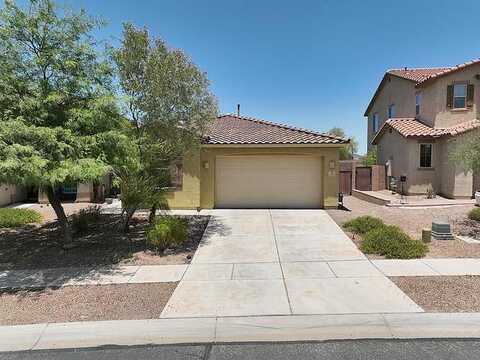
{"x":363,"y":178}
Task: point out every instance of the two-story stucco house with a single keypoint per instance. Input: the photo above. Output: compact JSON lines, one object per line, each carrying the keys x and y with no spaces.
{"x":416,"y":117}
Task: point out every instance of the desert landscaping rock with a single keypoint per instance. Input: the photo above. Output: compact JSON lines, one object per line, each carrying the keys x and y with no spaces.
{"x":412,"y":221}
{"x":41,"y":246}
{"x":442,"y":293}
{"x":85,"y":303}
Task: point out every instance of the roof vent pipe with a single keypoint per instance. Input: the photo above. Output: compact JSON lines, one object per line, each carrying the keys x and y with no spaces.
{"x":238,"y":109}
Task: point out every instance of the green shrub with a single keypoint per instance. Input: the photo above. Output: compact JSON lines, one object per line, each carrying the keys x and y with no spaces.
{"x":82,"y":220}
{"x":167,"y":232}
{"x":10,"y":218}
{"x":393,"y":243}
{"x":474,"y":214}
{"x":363,"y":224}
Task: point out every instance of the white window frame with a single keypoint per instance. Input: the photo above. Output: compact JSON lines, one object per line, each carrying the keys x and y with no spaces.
{"x":391,"y":111}
{"x":464,"y":97}
{"x":420,"y":156}
{"x":418,"y":102}
{"x":375,"y":123}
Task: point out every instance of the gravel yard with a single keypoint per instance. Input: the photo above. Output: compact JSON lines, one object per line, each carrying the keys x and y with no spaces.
{"x":49,"y":215}
{"x":85,"y":303}
{"x":442,"y":293}
{"x":41,"y":246}
{"x":412,"y":221}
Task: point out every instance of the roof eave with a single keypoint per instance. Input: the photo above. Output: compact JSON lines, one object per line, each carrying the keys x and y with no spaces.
{"x":276,"y":145}
{"x":379,"y":88}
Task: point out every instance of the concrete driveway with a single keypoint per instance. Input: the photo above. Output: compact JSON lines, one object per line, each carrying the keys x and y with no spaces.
{"x":281,"y":262}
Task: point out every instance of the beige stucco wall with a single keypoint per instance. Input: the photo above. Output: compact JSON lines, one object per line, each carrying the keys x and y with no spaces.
{"x":456,"y":182}
{"x":11,"y":194}
{"x":199,"y":173}
{"x":189,"y":196}
{"x":405,"y":158}
{"x":398,"y":91}
{"x":446,"y":177}
{"x":434,"y":111}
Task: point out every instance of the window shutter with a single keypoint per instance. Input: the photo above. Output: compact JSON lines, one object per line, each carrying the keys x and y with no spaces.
{"x":449,"y":96}
{"x":470,"y":92}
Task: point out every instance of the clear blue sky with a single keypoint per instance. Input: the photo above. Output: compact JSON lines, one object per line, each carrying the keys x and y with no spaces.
{"x":312,"y":64}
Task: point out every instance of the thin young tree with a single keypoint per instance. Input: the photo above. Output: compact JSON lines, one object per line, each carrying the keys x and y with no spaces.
{"x":169,"y":103}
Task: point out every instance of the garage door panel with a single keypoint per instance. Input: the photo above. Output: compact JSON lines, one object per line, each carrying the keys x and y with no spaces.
{"x":268,"y":181}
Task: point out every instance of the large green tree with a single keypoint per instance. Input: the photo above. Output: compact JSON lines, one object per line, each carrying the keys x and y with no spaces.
{"x":59,"y":122}
{"x":168,"y":101}
{"x":347,"y":152}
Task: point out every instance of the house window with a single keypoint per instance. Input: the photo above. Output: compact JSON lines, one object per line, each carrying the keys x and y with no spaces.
{"x":459,"y":96}
{"x":426,"y":155}
{"x":375,"y":122}
{"x":391,"y":111}
{"x":177,"y":175}
{"x":418,"y":102}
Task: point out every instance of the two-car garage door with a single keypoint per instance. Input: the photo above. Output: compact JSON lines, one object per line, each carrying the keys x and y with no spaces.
{"x":268,"y":181}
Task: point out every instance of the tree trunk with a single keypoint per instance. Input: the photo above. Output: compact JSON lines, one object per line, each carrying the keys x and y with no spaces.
{"x":54,"y":199}
{"x":151,"y":217}
{"x":128,"y":216}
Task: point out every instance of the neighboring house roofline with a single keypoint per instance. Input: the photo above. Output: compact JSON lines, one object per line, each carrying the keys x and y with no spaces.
{"x":413,"y":128}
{"x":448,"y":71}
{"x":379,"y":88}
{"x":420,"y":76}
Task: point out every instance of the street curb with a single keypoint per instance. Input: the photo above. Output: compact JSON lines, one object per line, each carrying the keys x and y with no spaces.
{"x":249,"y":329}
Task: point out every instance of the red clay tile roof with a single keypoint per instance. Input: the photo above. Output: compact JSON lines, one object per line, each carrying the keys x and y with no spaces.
{"x":240,"y":130}
{"x":412,"y":128}
{"x":449,"y":70}
{"x":417,"y":75}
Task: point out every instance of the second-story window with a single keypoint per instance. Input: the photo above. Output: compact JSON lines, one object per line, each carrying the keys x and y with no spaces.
{"x":459,"y":96}
{"x":391,"y":111}
{"x":418,"y":102}
{"x":375,"y":122}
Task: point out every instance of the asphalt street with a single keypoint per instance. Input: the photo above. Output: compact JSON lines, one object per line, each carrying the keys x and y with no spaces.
{"x":439,"y":349}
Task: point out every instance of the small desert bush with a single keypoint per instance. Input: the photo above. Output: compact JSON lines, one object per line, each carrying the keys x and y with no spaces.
{"x":10,"y":218}
{"x":167,"y":232}
{"x":82,"y":220}
{"x":363,"y":224}
{"x":393,"y":243}
{"x":474,"y":214}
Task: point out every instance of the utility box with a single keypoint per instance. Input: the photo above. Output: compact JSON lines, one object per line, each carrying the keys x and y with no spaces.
{"x":441,"y":231}
{"x":426,"y":235}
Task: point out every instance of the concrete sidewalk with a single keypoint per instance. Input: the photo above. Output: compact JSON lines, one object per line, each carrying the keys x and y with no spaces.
{"x":123,"y":274}
{"x":239,"y":329}
{"x":429,"y":267}
{"x":133,"y":274}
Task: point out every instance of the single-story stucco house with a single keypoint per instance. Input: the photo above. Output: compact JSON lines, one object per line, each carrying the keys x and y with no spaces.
{"x":250,"y":163}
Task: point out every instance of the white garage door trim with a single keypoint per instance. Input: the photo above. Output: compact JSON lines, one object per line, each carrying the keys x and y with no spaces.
{"x":268,"y":181}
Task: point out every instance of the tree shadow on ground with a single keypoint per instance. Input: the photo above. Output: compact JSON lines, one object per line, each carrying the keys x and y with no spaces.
{"x":34,"y":257}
